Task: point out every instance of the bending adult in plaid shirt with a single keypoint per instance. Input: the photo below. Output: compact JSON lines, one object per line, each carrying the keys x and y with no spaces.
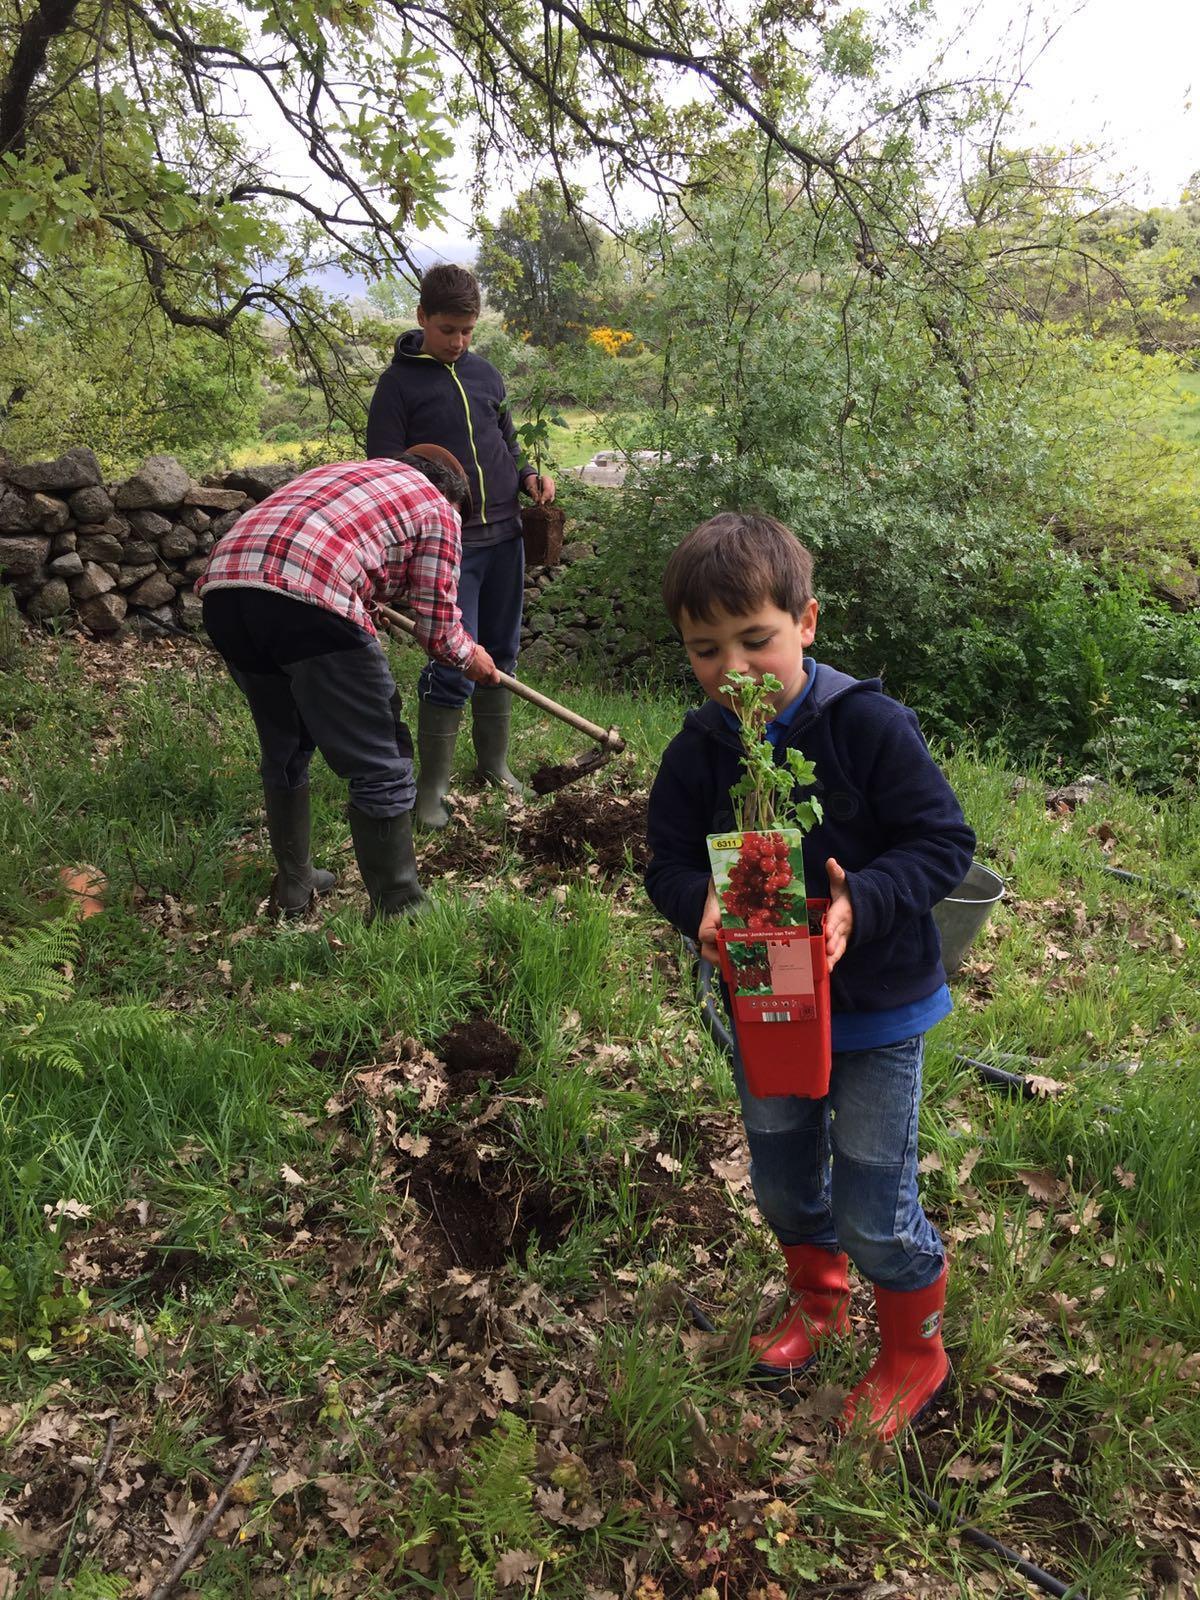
{"x":287,"y":599}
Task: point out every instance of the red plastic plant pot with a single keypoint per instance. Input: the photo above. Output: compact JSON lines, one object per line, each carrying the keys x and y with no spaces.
{"x":779,"y":995}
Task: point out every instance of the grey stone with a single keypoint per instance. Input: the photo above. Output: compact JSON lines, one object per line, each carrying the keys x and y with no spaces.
{"x":113,"y":568}
{"x":150,"y":525}
{"x":195,"y":567}
{"x":68,"y":565}
{"x":24,"y":557}
{"x":580,"y":550}
{"x":150,"y":624}
{"x":138,"y":552}
{"x":259,"y":482}
{"x":93,"y":504}
{"x":104,"y":613}
{"x":223,"y":524}
{"x":92,"y":581}
{"x":178,"y":544}
{"x":541,"y":653}
{"x":128,"y":576}
{"x":192,"y":517}
{"x":576,"y":639}
{"x":209,"y":499}
{"x":64,"y":542}
{"x":1179,"y":587}
{"x":205,"y":541}
{"x":159,"y":482}
{"x":16,"y":514}
{"x":153,"y":591}
{"x":53,"y":599}
{"x":177,"y":579}
{"x":51,"y":514}
{"x":100,"y":547}
{"x":191,"y":611}
{"x":76,"y":469}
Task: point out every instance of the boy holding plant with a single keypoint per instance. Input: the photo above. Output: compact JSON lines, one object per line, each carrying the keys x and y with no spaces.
{"x":835,"y":1178}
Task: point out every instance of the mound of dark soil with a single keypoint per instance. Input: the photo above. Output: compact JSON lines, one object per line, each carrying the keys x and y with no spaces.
{"x":580,"y":827}
{"x":483,"y":1211}
{"x":474,"y":1050}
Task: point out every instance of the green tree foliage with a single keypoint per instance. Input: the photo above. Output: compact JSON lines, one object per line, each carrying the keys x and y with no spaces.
{"x":537,"y":262}
{"x":93,"y":359}
{"x":939,"y":447}
{"x":153,"y":139}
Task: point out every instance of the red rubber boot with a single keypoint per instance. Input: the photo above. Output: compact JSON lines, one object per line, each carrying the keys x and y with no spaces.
{"x":911,"y":1370}
{"x":819,"y":1280}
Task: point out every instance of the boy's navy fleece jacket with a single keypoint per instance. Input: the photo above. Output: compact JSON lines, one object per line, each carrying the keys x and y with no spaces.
{"x":419,"y":400}
{"x":891,"y":821}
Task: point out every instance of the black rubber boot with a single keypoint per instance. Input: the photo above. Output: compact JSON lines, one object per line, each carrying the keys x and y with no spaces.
{"x":387,"y":861}
{"x":491,"y":713}
{"x":290,"y":830}
{"x":437,"y":729}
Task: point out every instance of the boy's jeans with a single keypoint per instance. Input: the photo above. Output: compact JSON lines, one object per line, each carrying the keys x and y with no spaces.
{"x":868,"y":1205}
{"x":491,"y":595}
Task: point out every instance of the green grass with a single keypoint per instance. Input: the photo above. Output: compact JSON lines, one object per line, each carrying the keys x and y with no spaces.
{"x":257,"y":1207}
{"x":570,"y":446}
{"x":1180,"y":422}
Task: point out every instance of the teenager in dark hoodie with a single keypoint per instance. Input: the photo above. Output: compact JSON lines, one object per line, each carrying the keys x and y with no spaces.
{"x":438,"y":389}
{"x":836,"y":1178}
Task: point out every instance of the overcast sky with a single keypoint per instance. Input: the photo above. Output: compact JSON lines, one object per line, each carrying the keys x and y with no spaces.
{"x":1122,"y":74}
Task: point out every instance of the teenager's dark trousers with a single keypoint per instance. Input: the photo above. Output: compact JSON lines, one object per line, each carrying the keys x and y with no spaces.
{"x":491,"y":595}
{"x":315,"y":681}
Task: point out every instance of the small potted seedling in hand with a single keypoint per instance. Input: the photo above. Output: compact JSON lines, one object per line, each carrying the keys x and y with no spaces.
{"x":541,"y":525}
{"x":771,"y":942}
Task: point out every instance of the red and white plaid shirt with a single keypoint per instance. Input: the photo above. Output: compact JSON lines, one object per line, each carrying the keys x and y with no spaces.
{"x":347,"y":535}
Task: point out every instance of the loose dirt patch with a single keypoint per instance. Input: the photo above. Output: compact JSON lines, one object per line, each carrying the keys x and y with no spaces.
{"x":579,"y":828}
{"x":474,"y":1051}
{"x":483,"y":1211}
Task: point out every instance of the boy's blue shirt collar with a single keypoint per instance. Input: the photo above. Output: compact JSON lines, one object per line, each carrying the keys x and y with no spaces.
{"x":779,"y":725}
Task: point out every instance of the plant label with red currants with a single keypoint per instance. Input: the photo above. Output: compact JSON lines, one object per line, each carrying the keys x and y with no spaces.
{"x":760,"y":878}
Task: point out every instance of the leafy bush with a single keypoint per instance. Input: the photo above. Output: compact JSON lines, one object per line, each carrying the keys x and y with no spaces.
{"x":936,"y":454}
{"x":1091,"y":672}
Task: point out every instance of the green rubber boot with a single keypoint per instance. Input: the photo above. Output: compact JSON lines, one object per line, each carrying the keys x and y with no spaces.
{"x":437,"y":730}
{"x":289,"y":829}
{"x":383,"y":847}
{"x":491,"y":713}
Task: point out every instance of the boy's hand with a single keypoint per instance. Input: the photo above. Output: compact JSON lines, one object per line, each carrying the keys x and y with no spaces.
{"x":482,"y":669}
{"x":839,"y":920}
{"x":709,"y":923}
{"x":541,"y":489}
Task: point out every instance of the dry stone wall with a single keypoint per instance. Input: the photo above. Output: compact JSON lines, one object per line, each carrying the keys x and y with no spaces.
{"x":112,"y":556}
{"x":109,"y":553}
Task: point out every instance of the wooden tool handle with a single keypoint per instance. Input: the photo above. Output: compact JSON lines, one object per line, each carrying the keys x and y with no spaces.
{"x":610,"y":738}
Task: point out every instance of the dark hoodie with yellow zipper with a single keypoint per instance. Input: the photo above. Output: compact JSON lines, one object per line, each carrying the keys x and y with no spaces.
{"x":464,"y":408}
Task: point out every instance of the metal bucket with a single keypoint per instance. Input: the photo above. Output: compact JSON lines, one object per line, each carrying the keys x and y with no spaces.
{"x":960,"y":915}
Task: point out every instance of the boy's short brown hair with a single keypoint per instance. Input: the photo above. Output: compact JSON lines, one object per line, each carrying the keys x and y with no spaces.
{"x":451,"y":289}
{"x":736,"y":562}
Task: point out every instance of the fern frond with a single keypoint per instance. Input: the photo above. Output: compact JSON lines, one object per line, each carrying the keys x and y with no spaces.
{"x":31,"y":964}
{"x":42,"y":1023}
{"x":493,"y":1509}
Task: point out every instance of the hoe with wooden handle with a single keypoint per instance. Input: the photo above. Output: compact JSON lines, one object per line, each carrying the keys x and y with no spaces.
{"x":545,"y":780}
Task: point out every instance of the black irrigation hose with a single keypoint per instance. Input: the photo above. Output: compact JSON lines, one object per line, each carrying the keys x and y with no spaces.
{"x":1157,"y":885}
{"x":719,"y":1033}
{"x":976,"y":1536}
